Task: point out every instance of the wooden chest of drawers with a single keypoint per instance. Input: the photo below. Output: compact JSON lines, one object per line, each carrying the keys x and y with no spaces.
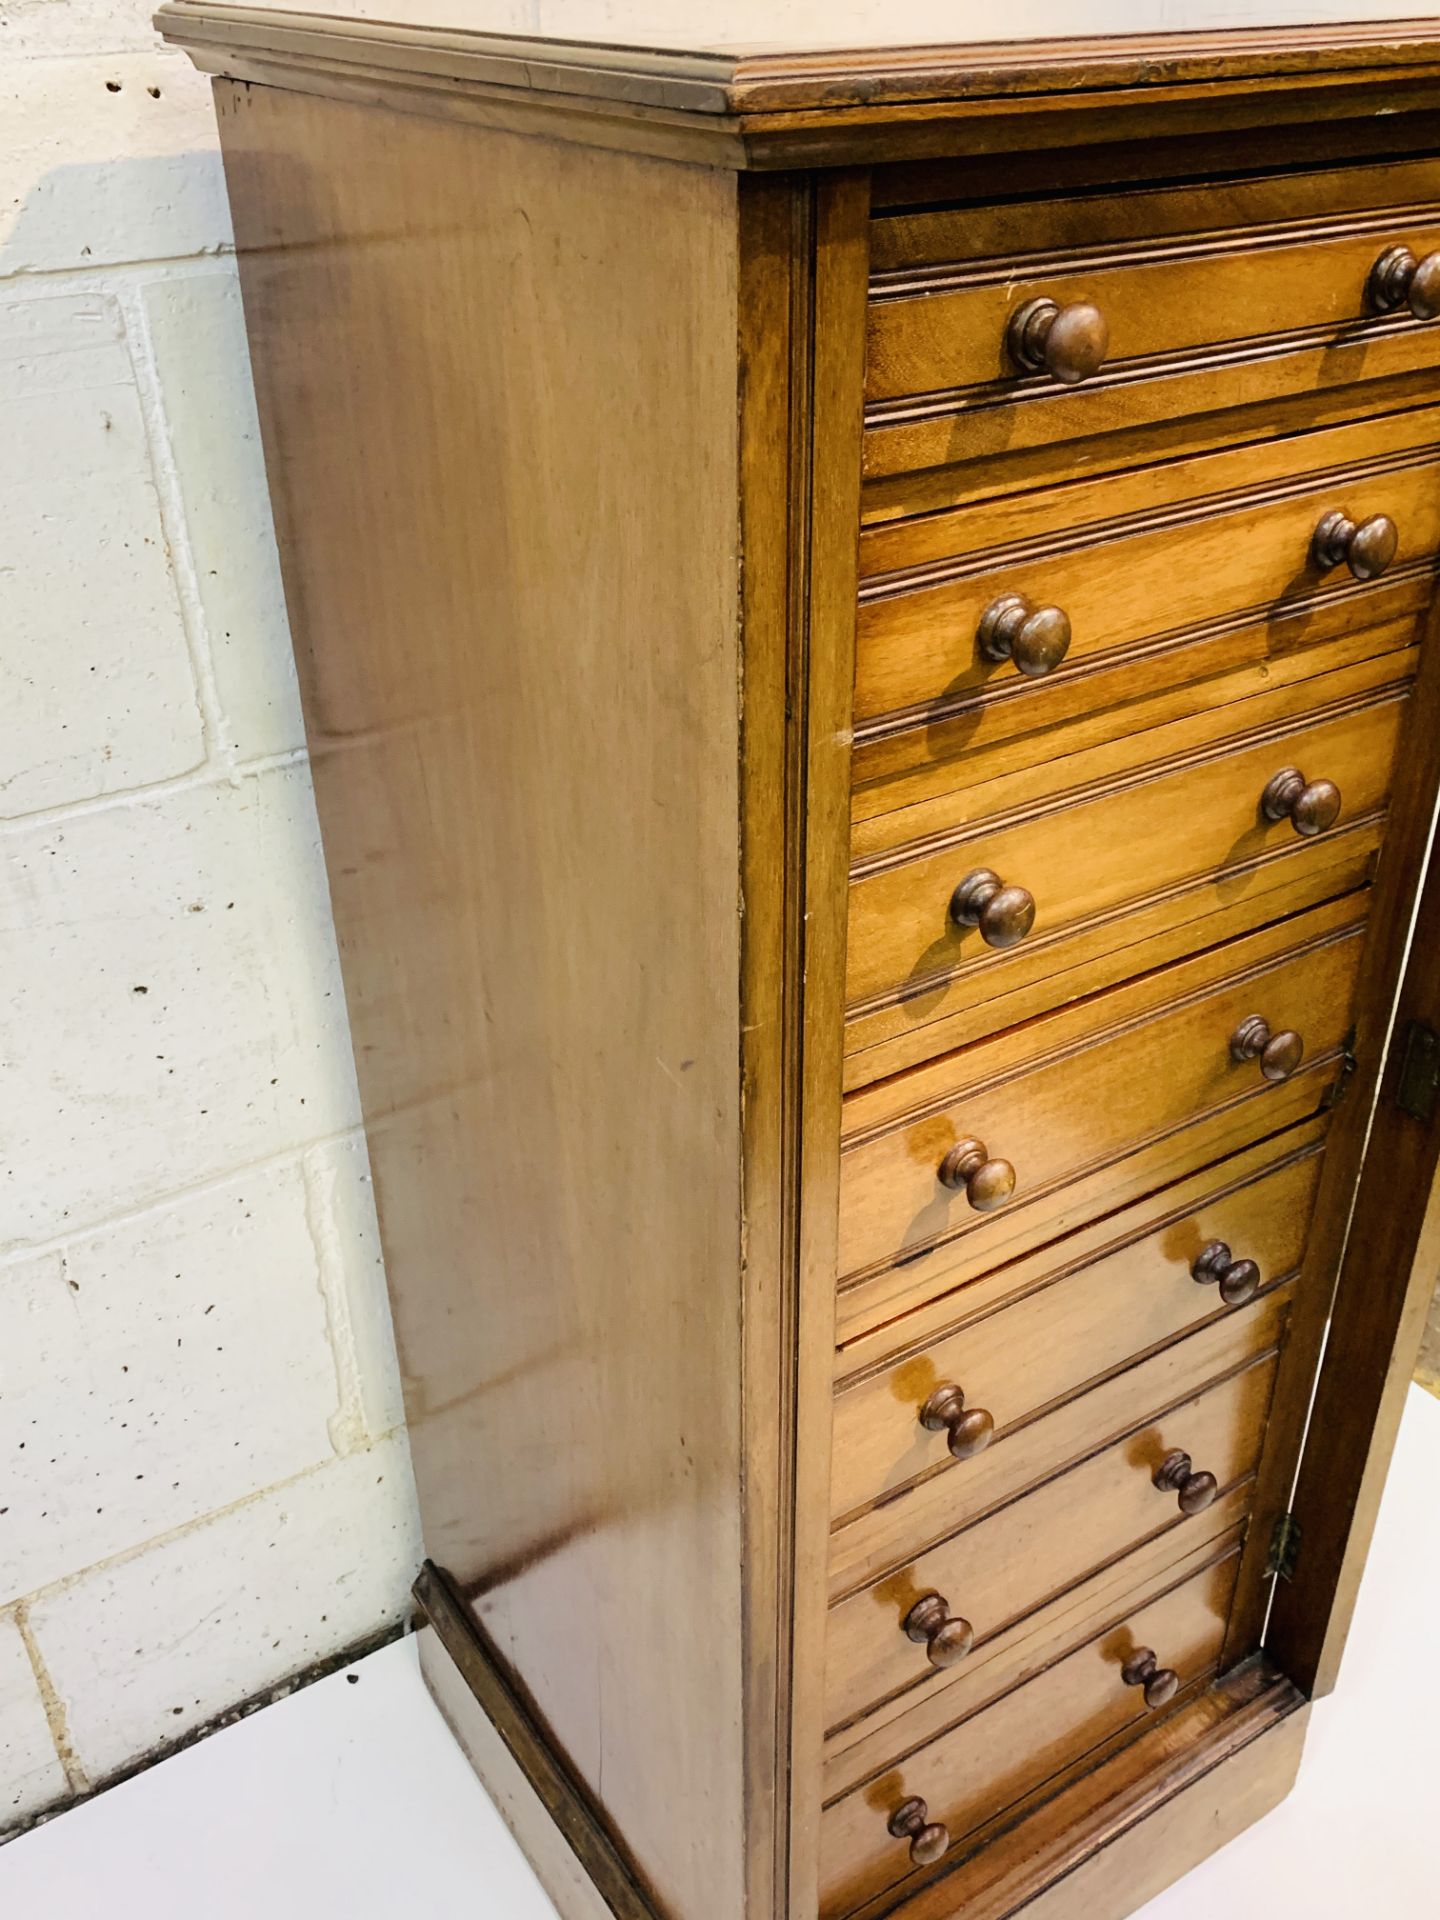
{"x":866,"y":630}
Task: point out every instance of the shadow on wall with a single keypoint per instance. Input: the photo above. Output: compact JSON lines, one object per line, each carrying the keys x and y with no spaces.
{"x":114,"y":211}
{"x":135,"y":488}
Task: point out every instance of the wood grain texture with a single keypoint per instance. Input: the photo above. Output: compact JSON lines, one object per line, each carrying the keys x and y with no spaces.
{"x":810,"y":67}
{"x":782,"y":107}
{"x":920,"y":454}
{"x":576,"y":1861}
{"x":921,"y":801}
{"x":823,"y":515}
{"x":890,"y":1038}
{"x":1005,"y":1050}
{"x":1122,"y":1830}
{"x":908,"y":1720}
{"x":1385,"y":1284}
{"x":921,"y":74}
{"x":767,"y":989}
{"x":1191,"y":826}
{"x":877,"y":1540}
{"x":998,"y":1569}
{"x":935,"y":1270}
{"x":1077,"y":1326}
{"x":1065,"y":1112}
{"x":1394,"y":893}
{"x":863,"y":1350}
{"x":909,"y":794}
{"x":1008,"y":1750}
{"x":506,"y":769}
{"x":948,"y":329}
{"x":987,"y":514}
{"x":1165,"y":157}
{"x":1260,"y":207}
{"x":775,"y":238}
{"x":1175,"y":571}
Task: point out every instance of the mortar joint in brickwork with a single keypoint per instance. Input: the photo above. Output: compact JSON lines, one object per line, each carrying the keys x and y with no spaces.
{"x":173,"y":524}
{"x":346,"y":1425}
{"x":56,"y":1717}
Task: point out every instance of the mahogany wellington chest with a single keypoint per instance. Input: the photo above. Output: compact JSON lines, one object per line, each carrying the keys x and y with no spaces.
{"x":866,"y":629}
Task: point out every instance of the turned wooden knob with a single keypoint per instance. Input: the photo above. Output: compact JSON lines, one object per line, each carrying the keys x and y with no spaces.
{"x":929,"y":1841}
{"x":945,"y":1636}
{"x":1037,"y":639}
{"x":1279,"y":1054}
{"x":1366,"y":549}
{"x":1311,"y":806}
{"x":970,"y":1429}
{"x":1068,"y":342}
{"x":1398,"y":279}
{"x":987,"y":1183}
{"x":1237,"y":1279}
{"x":1003,"y":914}
{"x":1161,"y":1684}
{"x":1176,"y":1474}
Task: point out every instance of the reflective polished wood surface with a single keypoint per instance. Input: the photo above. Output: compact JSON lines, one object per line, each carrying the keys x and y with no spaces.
{"x":865,"y":622}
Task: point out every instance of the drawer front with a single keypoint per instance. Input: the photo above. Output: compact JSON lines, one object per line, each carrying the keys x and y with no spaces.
{"x":887,"y":1037}
{"x":1065,"y":1334}
{"x":1006,"y":1565}
{"x":1213,"y":299}
{"x":1104,"y":1092}
{"x":939,"y":329}
{"x":907,"y":235}
{"x":905,"y":796}
{"x":917,"y":455}
{"x":1170,"y":574}
{"x":865,"y":1747}
{"x":994,"y":1759}
{"x":1197,"y":828}
{"x":873,"y":1540}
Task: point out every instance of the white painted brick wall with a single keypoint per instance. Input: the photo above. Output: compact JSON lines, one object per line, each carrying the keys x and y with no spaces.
{"x":204,"y":1484}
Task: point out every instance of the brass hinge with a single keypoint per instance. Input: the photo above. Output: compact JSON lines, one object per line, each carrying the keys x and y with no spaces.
{"x":1284,"y":1547}
{"x":1340,"y":1085}
{"x":1419,"y":1083}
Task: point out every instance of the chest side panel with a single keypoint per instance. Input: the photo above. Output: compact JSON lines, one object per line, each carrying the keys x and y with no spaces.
{"x":497,"y":379}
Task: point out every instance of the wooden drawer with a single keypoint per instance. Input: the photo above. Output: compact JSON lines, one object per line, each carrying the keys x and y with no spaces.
{"x":872,"y":1540}
{"x":942,"y":1007}
{"x":888,"y":1039}
{"x":1067,"y":1332}
{"x":1082,"y":1090}
{"x":1004,"y":1566}
{"x":907,"y":235}
{"x":1191,"y":835}
{"x":989,"y":1762}
{"x":943,"y":328}
{"x":1215,"y":298}
{"x":914,"y":798}
{"x":864,"y":1747}
{"x":1162,"y":573}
